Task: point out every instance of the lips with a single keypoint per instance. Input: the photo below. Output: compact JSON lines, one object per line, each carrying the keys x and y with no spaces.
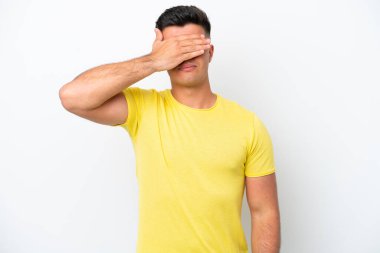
{"x":186,"y":66}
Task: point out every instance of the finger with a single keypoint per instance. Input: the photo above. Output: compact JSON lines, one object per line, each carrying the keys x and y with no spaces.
{"x":192,"y":54}
{"x":188,"y":36}
{"x":192,"y":48}
{"x":189,"y":42}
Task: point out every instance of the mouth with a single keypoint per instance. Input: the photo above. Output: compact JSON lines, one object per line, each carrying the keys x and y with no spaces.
{"x":187,"y":67}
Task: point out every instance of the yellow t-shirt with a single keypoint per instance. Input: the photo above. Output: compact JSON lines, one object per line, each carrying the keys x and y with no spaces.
{"x":191,"y":166}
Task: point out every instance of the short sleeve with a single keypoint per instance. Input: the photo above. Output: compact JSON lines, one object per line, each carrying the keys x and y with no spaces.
{"x":133,"y":96}
{"x":260,"y":157}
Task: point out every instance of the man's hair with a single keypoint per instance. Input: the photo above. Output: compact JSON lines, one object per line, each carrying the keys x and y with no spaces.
{"x":181,"y":15}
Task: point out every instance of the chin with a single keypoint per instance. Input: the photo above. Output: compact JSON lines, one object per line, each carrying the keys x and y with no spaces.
{"x":186,"y":83}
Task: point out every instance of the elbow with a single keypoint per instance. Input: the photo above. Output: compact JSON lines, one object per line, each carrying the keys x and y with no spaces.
{"x":73,"y":97}
{"x":265,"y":211}
{"x":66,"y":98}
{"x":268,"y":217}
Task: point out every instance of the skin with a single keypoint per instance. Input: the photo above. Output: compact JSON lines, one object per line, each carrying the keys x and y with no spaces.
{"x":96,"y":95}
{"x":262,"y":199}
{"x":191,"y":88}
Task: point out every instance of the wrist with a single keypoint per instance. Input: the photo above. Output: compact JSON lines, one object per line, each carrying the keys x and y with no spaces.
{"x":152,"y":62}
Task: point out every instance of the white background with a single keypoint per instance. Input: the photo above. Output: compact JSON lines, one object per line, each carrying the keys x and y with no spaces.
{"x":309,"y":69}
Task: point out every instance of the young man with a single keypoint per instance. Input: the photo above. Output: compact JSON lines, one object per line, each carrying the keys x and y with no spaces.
{"x":195,"y":150}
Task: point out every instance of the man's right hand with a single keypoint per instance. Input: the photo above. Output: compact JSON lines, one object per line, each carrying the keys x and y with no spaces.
{"x":169,"y":53}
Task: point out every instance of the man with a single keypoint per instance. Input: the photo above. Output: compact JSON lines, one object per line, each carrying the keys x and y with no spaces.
{"x":195,"y":150}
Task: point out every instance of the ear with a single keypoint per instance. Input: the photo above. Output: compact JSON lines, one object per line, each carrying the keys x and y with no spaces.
{"x":211,"y":52}
{"x":159,"y":35}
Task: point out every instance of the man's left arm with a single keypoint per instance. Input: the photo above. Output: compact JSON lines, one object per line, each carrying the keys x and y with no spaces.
{"x":262,"y":200}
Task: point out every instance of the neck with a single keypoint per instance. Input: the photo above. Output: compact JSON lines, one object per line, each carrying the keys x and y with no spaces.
{"x":199,"y":97}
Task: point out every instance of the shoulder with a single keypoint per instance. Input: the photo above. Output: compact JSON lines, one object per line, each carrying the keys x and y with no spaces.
{"x":142,"y":93}
{"x":247,"y":118}
{"x":141,"y":90}
{"x":238,"y":110}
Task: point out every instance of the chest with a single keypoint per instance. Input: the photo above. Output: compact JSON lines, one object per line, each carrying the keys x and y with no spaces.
{"x":209,"y":145}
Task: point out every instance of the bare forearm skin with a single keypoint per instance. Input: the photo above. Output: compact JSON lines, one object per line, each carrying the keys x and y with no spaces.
{"x":265,"y":235}
{"x":93,"y":87}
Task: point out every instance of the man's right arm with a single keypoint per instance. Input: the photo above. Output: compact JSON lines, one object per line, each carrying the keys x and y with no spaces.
{"x":96,"y":94}
{"x":95,"y":86}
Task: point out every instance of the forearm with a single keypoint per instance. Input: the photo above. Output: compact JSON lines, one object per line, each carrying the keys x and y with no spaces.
{"x":265,"y":235}
{"x":93,"y":87}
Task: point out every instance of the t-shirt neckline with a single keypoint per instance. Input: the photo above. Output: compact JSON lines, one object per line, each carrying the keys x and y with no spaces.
{"x":216,"y":103}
